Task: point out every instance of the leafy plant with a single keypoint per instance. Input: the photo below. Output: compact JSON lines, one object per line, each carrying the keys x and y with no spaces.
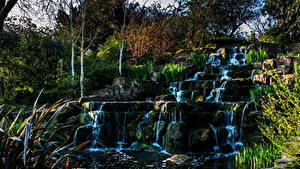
{"x":256,"y":55}
{"x":140,"y":72}
{"x":199,"y":59}
{"x":173,"y":72}
{"x":258,"y":156}
{"x":294,"y":53}
{"x":280,"y":117}
{"x":257,"y":93}
{"x":34,"y":141}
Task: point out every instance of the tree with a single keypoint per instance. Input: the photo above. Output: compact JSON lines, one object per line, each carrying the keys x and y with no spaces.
{"x":286,"y":13}
{"x":5,"y":8}
{"x":223,"y":17}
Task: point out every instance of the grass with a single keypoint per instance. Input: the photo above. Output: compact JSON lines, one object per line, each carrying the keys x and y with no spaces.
{"x":173,"y":72}
{"x":258,"y":156}
{"x":140,"y":72}
{"x":256,"y":55}
{"x":199,"y":59}
{"x":35,"y":140}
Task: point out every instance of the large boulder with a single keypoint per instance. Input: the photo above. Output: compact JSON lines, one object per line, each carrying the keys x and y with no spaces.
{"x":269,"y":64}
{"x":179,"y":160}
{"x":175,"y":139}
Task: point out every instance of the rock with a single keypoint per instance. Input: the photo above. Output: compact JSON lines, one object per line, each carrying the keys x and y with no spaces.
{"x":269,"y":64}
{"x":284,"y":69}
{"x":168,"y":97}
{"x":175,"y":138}
{"x":257,"y":65}
{"x":119,"y":81}
{"x":144,"y":147}
{"x":288,"y":79}
{"x":285,"y":60}
{"x":179,"y":160}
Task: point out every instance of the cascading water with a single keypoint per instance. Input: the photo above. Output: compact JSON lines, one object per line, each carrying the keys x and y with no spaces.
{"x":230,"y":128}
{"x":176,"y":90}
{"x":215,"y":58}
{"x":242,"y":121}
{"x":96,"y":126}
{"x":157,"y":132}
{"x":121,"y":130}
{"x":237,"y":56}
{"x":196,"y":76}
{"x":215,"y":133}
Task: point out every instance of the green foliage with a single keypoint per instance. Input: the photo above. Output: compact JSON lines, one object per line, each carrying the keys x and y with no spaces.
{"x":280,"y":118}
{"x":173,"y":72}
{"x":295,"y":53}
{"x":29,"y":60}
{"x":27,"y":141}
{"x":258,"y":156}
{"x":255,"y":56}
{"x":257,"y":93}
{"x":199,"y":59}
{"x":140,"y":72}
{"x":109,"y":51}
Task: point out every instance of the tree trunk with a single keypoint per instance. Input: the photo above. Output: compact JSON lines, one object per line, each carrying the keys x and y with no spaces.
{"x":82,"y":52}
{"x":1,"y":25}
{"x":4,"y":10}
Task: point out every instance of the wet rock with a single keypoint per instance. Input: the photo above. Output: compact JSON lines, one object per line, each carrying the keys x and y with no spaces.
{"x":257,"y":65}
{"x":179,"y":160}
{"x":168,"y":97}
{"x":144,"y":147}
{"x":269,"y":64}
{"x":119,"y":81}
{"x":284,"y":69}
{"x":175,"y":138}
{"x":201,"y":140}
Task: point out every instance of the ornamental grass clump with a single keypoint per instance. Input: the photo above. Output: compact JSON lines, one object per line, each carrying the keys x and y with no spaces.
{"x":173,"y":72}
{"x":256,"y":55}
{"x":34,"y":140}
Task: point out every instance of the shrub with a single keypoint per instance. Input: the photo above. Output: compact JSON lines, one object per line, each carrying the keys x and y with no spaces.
{"x":280,"y":117}
{"x":199,"y":59}
{"x":258,"y":156}
{"x":295,"y":53}
{"x":257,"y":93}
{"x":256,"y":56}
{"x":173,"y":72}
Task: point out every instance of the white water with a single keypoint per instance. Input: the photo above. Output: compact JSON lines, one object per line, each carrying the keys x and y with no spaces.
{"x":196,"y":76}
{"x":215,"y":58}
{"x":96,"y":126}
{"x":176,"y":89}
{"x":234,"y":54}
{"x":242,"y":120}
{"x":215,"y":132}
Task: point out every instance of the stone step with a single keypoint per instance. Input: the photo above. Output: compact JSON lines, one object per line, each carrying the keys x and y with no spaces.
{"x":117,"y":106}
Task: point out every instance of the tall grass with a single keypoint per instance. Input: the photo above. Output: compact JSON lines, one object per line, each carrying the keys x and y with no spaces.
{"x":256,"y":55}
{"x":173,"y":72}
{"x":199,"y":59}
{"x":34,"y":140}
{"x":140,"y":72}
{"x":258,"y":156}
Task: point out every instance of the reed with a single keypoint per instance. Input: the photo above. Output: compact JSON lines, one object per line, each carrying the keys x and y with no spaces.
{"x":256,"y":55}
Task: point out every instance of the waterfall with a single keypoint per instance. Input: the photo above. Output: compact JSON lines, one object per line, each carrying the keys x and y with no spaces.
{"x":215,"y":132}
{"x":177,"y":91}
{"x":96,"y":126}
{"x":146,"y":117}
{"x":121,"y":130}
{"x":242,"y":121}
{"x":211,"y":94}
{"x":219,"y":91}
{"x":237,"y":56}
{"x":157,"y":132}
{"x":224,"y":73}
{"x":215,"y":58}
{"x":252,"y":74}
{"x":196,"y":76}
{"x":230,"y":128}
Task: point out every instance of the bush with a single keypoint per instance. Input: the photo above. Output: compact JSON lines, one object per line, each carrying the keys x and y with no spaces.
{"x":256,"y":94}
{"x":199,"y":59}
{"x":280,"y":117}
{"x":173,"y":72}
{"x":256,"y":56}
{"x":258,"y":156}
